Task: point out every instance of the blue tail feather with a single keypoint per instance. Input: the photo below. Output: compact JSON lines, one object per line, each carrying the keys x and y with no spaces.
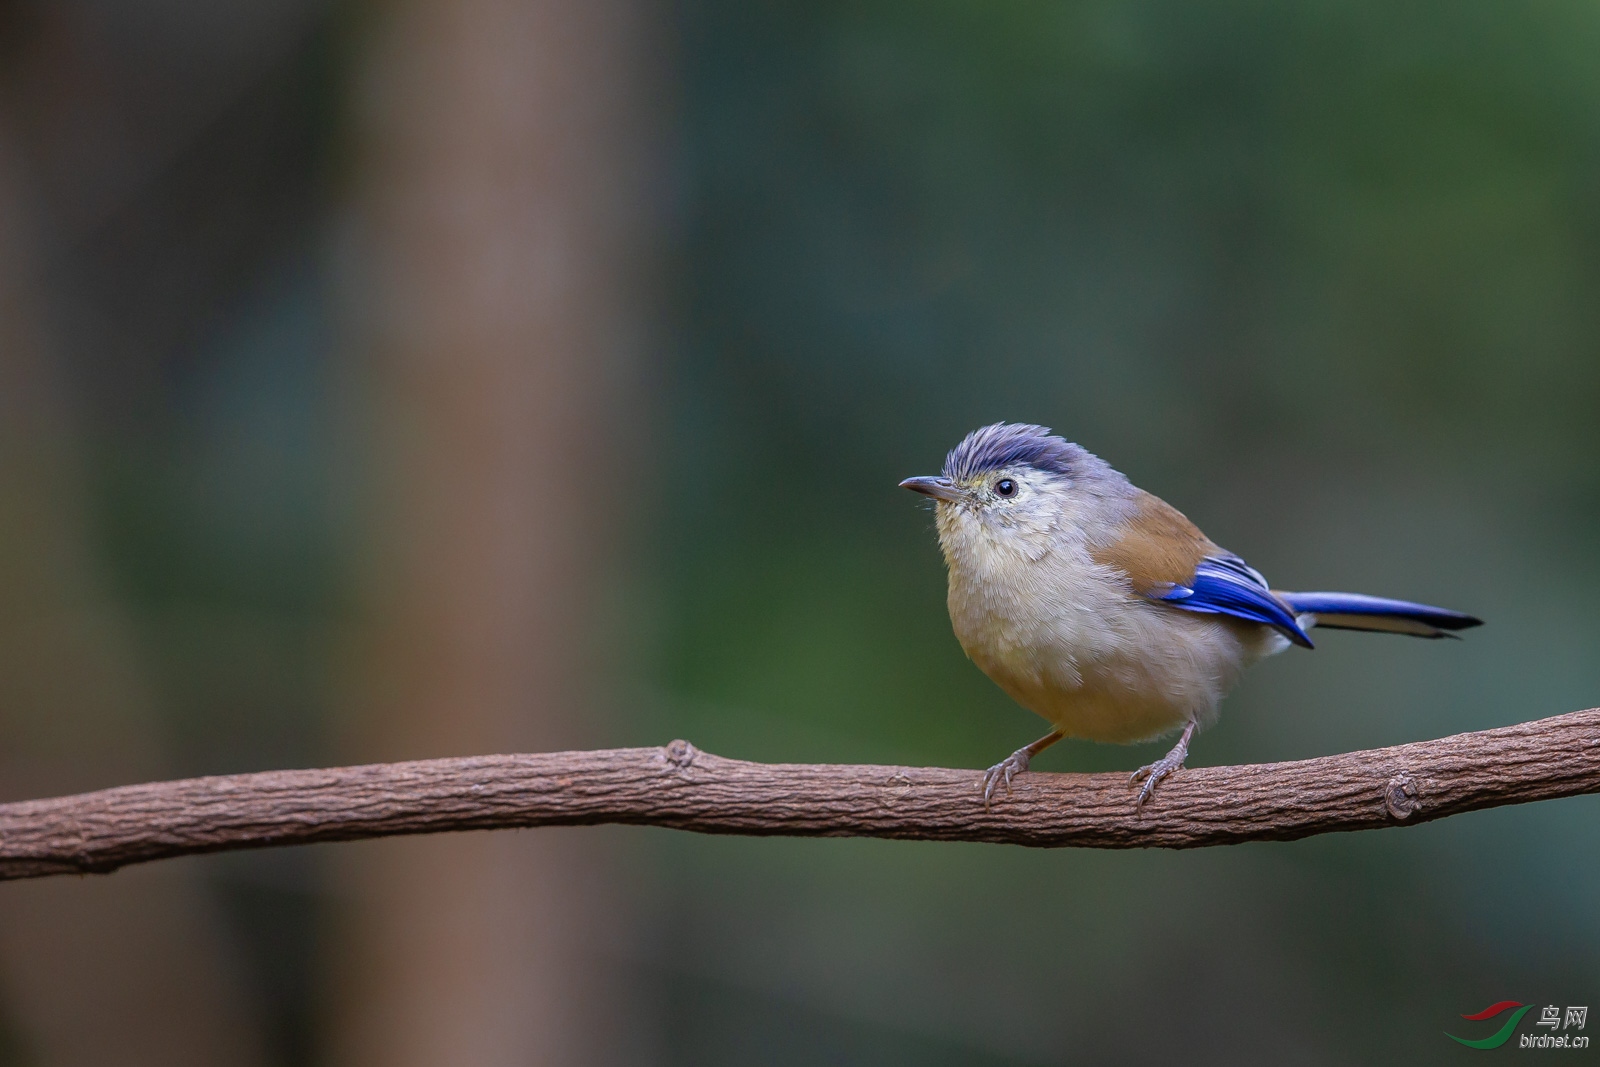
{"x":1357,"y":611}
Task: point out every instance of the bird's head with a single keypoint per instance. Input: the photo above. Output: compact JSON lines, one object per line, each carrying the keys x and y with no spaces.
{"x":1012,"y":486}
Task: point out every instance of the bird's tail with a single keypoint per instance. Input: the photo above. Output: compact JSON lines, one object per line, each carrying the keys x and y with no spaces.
{"x":1355,"y":611}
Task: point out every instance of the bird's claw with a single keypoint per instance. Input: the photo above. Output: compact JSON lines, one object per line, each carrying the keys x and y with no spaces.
{"x":1004,"y":771}
{"x":1153,"y":773}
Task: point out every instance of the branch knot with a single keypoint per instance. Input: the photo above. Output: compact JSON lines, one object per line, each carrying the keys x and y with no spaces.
{"x":681,"y":754}
{"x":1402,"y":796}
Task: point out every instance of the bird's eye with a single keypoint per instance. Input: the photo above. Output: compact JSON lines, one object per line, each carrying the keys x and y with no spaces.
{"x":1006,"y":487}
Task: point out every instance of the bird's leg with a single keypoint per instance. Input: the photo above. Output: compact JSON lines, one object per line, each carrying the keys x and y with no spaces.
{"x":1163,"y":766}
{"x":1015,"y":764}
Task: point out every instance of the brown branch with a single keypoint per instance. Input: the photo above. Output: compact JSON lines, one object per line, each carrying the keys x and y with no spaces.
{"x":681,"y":787}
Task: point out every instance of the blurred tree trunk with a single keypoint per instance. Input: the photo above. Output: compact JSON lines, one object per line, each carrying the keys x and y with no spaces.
{"x":494,"y":301}
{"x":130,"y":969}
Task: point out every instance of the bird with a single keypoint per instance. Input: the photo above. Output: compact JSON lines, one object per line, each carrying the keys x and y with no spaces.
{"x":1102,"y":608}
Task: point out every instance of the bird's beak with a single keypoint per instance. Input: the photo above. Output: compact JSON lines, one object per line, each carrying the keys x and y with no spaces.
{"x":938,"y":488}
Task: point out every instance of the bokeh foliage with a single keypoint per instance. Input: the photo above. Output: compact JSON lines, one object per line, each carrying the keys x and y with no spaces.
{"x":1322,"y":275}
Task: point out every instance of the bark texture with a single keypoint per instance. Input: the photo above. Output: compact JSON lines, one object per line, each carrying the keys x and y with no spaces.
{"x":681,"y":787}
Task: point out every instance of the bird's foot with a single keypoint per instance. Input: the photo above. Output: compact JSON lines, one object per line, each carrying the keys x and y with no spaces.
{"x":1004,"y":771}
{"x":1152,"y":773}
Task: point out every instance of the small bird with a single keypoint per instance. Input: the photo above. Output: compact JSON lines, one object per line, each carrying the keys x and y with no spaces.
{"x":1104,"y":610}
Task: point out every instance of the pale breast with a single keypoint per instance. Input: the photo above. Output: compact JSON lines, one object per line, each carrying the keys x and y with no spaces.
{"x":1067,"y":638}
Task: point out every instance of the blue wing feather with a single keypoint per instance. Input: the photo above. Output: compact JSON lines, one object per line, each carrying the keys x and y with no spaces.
{"x":1227,"y":585}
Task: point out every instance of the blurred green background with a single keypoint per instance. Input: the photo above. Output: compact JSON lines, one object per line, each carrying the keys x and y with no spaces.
{"x":324,"y":319}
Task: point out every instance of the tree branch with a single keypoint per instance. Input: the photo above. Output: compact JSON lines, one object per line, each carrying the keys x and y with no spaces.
{"x":681,"y":787}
